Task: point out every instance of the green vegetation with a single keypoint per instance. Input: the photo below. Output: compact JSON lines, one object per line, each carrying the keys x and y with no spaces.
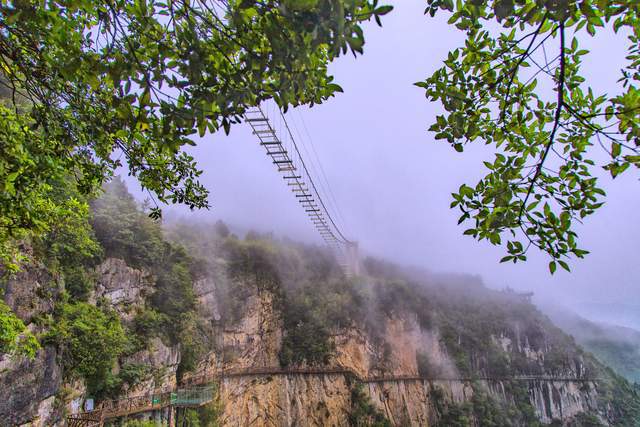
{"x":485,"y":410}
{"x":615,"y":346}
{"x":307,"y":326}
{"x":623,"y":397}
{"x":310,"y":291}
{"x":586,"y":420}
{"x":624,"y":357}
{"x":115,"y":76}
{"x":209,"y":414}
{"x":126,"y":231}
{"x":14,"y":336}
{"x":203,"y":416}
{"x":470,"y":318}
{"x":524,"y":202}
{"x":316,"y":301}
{"x":90,"y":340}
{"x":140,"y":423}
{"x":311,"y":313}
{"x":37,"y":199}
{"x":128,"y":375}
{"x":123,"y":229}
{"x":363,"y":413}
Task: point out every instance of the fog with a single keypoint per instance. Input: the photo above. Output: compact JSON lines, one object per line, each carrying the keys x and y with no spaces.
{"x":393,"y":181}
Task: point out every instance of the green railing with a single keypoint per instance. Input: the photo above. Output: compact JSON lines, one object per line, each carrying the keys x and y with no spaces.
{"x":193,"y":396}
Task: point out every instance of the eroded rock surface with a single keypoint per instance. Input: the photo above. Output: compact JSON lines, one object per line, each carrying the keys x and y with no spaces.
{"x":124,"y":287}
{"x":28,"y":388}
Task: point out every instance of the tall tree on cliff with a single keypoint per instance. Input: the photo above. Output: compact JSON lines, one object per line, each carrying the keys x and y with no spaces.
{"x":496,"y":90}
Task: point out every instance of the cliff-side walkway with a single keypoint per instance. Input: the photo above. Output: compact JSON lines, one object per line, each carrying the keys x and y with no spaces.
{"x":198,"y":390}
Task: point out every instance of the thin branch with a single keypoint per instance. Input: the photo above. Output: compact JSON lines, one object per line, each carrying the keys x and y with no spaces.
{"x":556,"y":121}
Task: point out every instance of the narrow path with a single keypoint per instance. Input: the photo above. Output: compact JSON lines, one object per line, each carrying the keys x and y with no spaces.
{"x":191,"y":392}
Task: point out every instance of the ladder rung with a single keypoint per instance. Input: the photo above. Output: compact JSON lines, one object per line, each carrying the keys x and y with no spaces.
{"x":292,"y":177}
{"x":312,"y":210}
{"x":277,"y":162}
{"x":275,"y":153}
{"x":260,"y":132}
{"x":260,"y":119}
{"x":270,"y":143}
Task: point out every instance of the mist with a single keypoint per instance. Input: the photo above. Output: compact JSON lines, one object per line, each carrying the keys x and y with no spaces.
{"x":392,"y":182}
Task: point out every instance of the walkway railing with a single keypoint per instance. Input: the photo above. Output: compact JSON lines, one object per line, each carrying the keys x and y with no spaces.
{"x":184,"y":397}
{"x":190,"y":395}
{"x":267,"y":371}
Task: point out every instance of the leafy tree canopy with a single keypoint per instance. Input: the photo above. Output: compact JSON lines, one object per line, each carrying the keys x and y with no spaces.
{"x":541,"y":181}
{"x":135,"y":79}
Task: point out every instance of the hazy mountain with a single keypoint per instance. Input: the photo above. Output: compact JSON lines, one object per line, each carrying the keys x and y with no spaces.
{"x":616,"y":346}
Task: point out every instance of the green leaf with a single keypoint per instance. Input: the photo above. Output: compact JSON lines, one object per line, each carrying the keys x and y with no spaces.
{"x":616,"y":149}
{"x":383,"y":10}
{"x":503,"y":9}
{"x":564,"y":265}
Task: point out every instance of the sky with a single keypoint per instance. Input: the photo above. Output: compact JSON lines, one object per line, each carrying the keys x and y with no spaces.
{"x":393,"y":182}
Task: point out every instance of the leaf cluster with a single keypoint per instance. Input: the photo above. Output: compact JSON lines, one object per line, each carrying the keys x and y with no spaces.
{"x":140,"y":78}
{"x":542,"y":180}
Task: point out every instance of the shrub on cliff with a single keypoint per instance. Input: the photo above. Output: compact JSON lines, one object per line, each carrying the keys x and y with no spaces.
{"x":15,"y":338}
{"x":255,"y":259}
{"x":363,"y":412}
{"x":89,"y":339}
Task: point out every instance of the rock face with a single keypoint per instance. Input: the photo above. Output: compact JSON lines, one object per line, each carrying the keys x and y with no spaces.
{"x":30,"y":292}
{"x":285,"y":401}
{"x":33,"y":391}
{"x":28,"y":388}
{"x":163,"y":360}
{"x":325,"y":399}
{"x":386,"y":363}
{"x":124,"y":287}
{"x":561,"y":400}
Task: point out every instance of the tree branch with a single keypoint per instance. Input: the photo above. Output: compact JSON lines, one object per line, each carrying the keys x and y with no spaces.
{"x":556,"y":123}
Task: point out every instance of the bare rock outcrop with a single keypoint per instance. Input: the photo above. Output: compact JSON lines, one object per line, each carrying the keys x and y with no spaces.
{"x":30,"y":292}
{"x":124,"y":287}
{"x":28,"y":388}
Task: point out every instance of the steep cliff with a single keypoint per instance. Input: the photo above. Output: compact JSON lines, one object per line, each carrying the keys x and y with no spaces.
{"x":36,"y":392}
{"x":288,"y":339}
{"x":280,"y":398}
